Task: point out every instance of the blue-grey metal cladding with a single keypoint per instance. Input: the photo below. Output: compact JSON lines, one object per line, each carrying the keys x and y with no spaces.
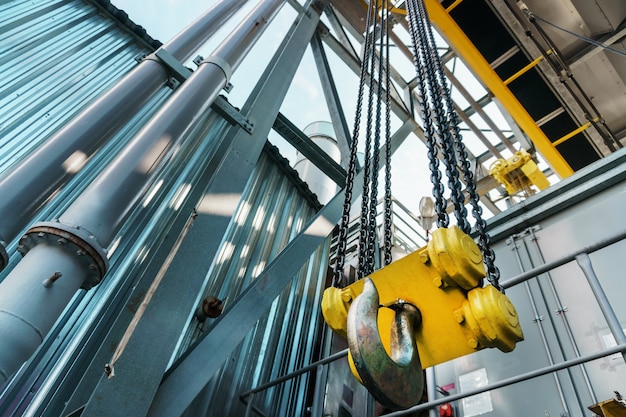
{"x":55,"y":57}
{"x":271,"y":212}
{"x":59,"y":363}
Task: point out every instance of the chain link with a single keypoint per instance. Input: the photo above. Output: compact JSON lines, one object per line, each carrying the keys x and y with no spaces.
{"x":429,"y":130}
{"x":388,"y":220}
{"x":342,"y":236}
{"x":449,"y":135}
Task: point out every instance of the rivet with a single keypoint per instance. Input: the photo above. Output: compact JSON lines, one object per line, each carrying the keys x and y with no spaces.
{"x":93,"y":267}
{"x":61,"y":241}
{"x":346,"y":297}
{"x":458,"y":317}
{"x":472,"y":343}
{"x":437,"y":282}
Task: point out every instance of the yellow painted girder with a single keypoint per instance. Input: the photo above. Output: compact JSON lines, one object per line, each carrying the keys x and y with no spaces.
{"x":477,"y":63}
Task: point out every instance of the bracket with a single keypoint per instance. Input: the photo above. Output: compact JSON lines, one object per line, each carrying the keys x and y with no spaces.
{"x":221,"y":106}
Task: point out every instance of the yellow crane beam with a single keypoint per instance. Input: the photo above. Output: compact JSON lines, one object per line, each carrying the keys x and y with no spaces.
{"x":477,"y":63}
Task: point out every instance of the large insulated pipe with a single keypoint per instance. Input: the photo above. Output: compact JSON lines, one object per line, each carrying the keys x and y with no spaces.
{"x":65,"y":255}
{"x":27,"y":186}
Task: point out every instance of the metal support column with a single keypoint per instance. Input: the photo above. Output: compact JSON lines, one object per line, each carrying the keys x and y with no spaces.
{"x":90,"y":223}
{"x":337,"y":116}
{"x":431,"y":386}
{"x":616,"y":328}
{"x":143,"y":361}
{"x":27,"y":186}
{"x":193,"y":370}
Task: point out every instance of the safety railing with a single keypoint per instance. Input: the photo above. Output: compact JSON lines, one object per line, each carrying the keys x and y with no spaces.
{"x":318,"y":366}
{"x":581,"y":256}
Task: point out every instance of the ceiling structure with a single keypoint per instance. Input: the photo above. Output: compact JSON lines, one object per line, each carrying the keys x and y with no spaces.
{"x":536,"y":76}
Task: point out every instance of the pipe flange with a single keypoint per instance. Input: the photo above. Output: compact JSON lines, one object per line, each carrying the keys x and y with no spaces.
{"x":4,"y":255}
{"x":78,"y":241}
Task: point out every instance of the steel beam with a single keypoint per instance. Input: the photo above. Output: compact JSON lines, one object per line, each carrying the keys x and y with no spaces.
{"x":309,"y":149}
{"x":193,"y":370}
{"x":472,"y":57}
{"x":141,"y":366}
{"x":28,"y":185}
{"x":337,"y":115}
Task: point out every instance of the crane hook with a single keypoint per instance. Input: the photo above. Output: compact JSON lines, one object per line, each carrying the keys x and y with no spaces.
{"x":396,"y":380}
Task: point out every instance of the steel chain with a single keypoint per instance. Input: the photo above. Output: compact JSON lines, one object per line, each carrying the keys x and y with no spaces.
{"x":342,"y":236}
{"x":387,"y":225}
{"x":365,"y":235}
{"x":429,"y":131}
{"x":437,"y":93}
{"x":373,"y":203}
{"x":449,"y":134}
{"x":493,"y":273}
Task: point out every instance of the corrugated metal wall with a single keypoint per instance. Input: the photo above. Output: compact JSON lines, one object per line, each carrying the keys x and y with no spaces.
{"x":56,"y":57}
{"x":271,"y":212}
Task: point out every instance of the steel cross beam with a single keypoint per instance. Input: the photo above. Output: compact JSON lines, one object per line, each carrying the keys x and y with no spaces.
{"x":333,"y":102}
{"x":299,"y":140}
{"x":192,"y":371}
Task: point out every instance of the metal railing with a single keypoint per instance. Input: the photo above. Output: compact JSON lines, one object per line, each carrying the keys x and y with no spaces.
{"x":581,"y":256}
{"x":318,"y":366}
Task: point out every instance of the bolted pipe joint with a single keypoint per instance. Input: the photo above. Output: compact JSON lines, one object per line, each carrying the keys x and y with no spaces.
{"x":58,"y":260}
{"x":4,"y":255}
{"x":77,"y":241}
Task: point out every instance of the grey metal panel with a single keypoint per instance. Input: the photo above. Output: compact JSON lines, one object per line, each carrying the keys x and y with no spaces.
{"x":270,"y":213}
{"x":61,"y":361}
{"x":571,"y":309}
{"x":56,"y":56}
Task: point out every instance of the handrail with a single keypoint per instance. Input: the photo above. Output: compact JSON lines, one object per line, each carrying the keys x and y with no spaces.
{"x":294,"y":374}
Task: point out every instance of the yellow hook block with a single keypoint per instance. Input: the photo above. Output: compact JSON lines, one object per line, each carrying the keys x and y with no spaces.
{"x":518,"y":173}
{"x":443,"y":280}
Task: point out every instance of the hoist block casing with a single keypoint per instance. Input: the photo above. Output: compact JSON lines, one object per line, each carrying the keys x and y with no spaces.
{"x":443,"y":280}
{"x":518,"y":173}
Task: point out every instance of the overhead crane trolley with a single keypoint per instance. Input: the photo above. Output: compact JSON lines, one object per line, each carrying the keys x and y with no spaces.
{"x":430,"y":306}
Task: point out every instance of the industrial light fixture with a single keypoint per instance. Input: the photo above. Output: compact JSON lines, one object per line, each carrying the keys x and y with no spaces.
{"x":427,"y":214}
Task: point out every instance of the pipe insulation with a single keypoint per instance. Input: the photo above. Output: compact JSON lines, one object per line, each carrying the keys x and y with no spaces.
{"x":93,"y":219}
{"x":27,"y":186}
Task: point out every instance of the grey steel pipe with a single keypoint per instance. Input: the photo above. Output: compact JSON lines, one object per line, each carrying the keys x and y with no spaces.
{"x":585,"y":264}
{"x":303,"y":370}
{"x":103,"y":206}
{"x":90,"y":223}
{"x":27,"y":186}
